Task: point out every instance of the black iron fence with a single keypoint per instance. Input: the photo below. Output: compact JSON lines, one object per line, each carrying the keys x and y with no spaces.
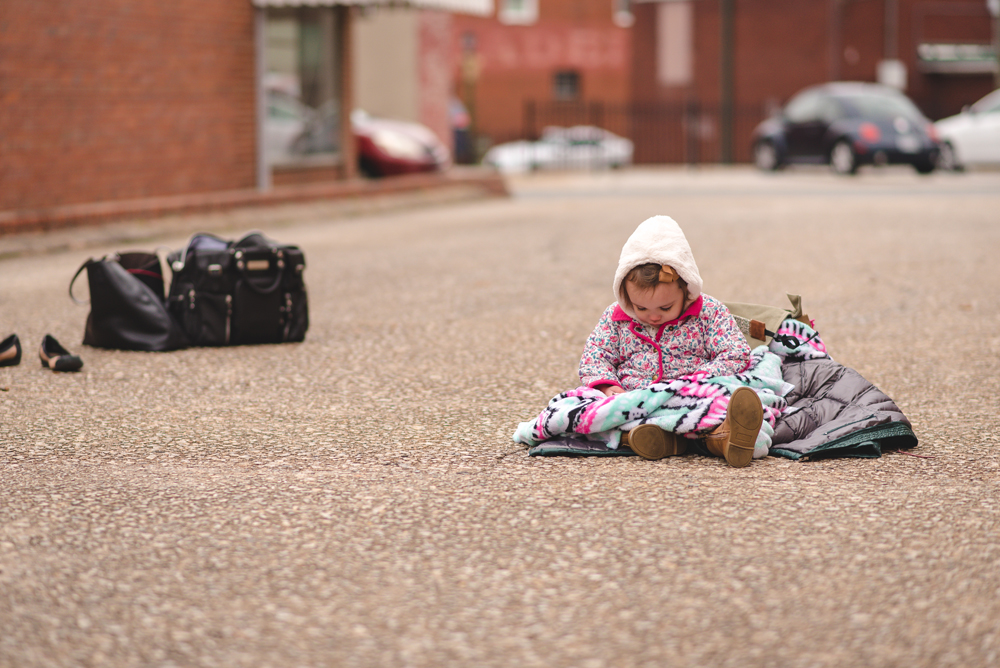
{"x":662,"y":133}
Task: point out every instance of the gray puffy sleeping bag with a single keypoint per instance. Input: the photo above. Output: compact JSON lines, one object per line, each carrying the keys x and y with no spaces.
{"x":837,"y":413}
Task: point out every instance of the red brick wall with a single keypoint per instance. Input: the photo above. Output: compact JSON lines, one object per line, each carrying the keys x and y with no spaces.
{"x":518,"y":63}
{"x":287,"y":176}
{"x":782,"y":46}
{"x":861,"y":44}
{"x":958,"y":21}
{"x":121,"y":99}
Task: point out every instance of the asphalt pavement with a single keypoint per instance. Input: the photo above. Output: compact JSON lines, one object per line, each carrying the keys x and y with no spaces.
{"x":357,"y":500}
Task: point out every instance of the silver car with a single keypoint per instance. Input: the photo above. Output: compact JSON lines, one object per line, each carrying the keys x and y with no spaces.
{"x":578,"y":147}
{"x":973,"y":136}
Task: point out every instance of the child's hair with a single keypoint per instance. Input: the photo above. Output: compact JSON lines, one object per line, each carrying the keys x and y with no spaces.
{"x":647,"y":277}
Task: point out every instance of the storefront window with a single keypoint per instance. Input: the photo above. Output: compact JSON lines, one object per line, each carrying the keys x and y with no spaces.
{"x":566,"y":86}
{"x":302,"y":86}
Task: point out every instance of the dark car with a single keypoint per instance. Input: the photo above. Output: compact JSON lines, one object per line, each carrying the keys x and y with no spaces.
{"x":846,"y":125}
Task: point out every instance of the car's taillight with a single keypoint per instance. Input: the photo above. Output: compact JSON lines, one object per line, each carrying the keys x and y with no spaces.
{"x":870,"y":132}
{"x":932,"y":132}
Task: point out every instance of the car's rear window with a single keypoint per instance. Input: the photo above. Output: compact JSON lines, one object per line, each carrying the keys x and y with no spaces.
{"x":880,"y":106}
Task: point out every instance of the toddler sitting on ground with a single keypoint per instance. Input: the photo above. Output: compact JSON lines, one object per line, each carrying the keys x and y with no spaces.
{"x":661,"y":328}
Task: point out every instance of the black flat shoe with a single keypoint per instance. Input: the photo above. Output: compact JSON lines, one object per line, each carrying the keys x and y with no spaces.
{"x":10,"y":351}
{"x":57,"y":358}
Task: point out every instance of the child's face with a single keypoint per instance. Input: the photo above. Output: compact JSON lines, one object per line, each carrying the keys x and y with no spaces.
{"x":659,"y":305}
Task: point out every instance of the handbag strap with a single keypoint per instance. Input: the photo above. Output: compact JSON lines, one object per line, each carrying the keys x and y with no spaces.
{"x":264,"y":241}
{"x":241,"y":267}
{"x":166,"y":271}
{"x":179,"y":264}
{"x":77,"y":274}
{"x":235,"y":248}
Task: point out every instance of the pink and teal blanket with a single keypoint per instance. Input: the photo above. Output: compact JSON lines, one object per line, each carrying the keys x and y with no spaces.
{"x":690,"y":406}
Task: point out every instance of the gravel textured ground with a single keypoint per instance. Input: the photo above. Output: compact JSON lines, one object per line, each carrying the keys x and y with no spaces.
{"x":356,"y":500}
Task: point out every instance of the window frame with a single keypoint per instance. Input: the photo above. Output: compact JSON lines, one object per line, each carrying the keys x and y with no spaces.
{"x":559,"y":78}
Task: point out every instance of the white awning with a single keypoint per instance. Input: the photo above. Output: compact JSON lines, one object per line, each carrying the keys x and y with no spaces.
{"x":477,"y":7}
{"x":957,"y":58}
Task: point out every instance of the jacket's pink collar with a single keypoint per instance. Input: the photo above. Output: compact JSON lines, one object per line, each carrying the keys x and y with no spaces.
{"x":619,"y":315}
{"x":691,"y":311}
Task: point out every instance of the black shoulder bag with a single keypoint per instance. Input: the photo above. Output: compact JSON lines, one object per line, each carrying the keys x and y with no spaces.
{"x":127,"y":306}
{"x":238,"y":292}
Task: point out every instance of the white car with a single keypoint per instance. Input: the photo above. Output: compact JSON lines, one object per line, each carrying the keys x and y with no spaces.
{"x":578,"y":147}
{"x":972,"y":137}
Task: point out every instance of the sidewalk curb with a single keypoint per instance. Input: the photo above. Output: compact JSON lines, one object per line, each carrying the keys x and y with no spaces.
{"x":119,"y":223}
{"x":34,"y":220}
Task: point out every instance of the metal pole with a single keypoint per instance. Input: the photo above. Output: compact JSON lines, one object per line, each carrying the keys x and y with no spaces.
{"x":470,"y":75}
{"x":528,"y":126}
{"x":834,"y":39}
{"x":996,"y":45}
{"x":345,"y":44}
{"x":890,"y":37}
{"x":726,"y":82}
{"x":260,"y":69}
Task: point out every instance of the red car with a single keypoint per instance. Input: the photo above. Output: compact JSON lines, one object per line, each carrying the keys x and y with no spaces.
{"x":388,"y":147}
{"x":294,"y":131}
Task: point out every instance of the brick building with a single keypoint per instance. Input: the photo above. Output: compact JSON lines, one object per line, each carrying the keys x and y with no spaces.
{"x":123,"y":99}
{"x":409,"y":81}
{"x":532,"y":52}
{"x":781,"y":46}
{"x":131,"y":100}
{"x":688,"y":80}
{"x":128,"y":100}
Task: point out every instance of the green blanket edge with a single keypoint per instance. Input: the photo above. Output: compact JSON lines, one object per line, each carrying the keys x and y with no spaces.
{"x":541,"y":450}
{"x":867,"y":443}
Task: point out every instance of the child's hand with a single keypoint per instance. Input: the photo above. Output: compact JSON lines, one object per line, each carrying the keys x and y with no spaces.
{"x":612,"y":390}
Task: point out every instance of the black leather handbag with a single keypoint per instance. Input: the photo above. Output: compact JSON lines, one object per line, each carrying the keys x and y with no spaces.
{"x":238,"y":292}
{"x":128,"y":310}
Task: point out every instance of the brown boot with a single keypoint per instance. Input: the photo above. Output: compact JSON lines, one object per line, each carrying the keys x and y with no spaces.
{"x":650,"y":442}
{"x":735,"y":437}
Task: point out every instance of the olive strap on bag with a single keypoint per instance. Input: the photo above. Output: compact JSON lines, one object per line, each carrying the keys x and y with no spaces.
{"x":759,"y":322}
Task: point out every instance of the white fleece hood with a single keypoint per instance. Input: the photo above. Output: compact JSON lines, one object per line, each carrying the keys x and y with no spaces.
{"x":657,"y":240}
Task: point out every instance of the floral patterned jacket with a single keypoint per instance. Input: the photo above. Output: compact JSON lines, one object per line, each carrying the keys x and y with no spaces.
{"x":705,"y":339}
